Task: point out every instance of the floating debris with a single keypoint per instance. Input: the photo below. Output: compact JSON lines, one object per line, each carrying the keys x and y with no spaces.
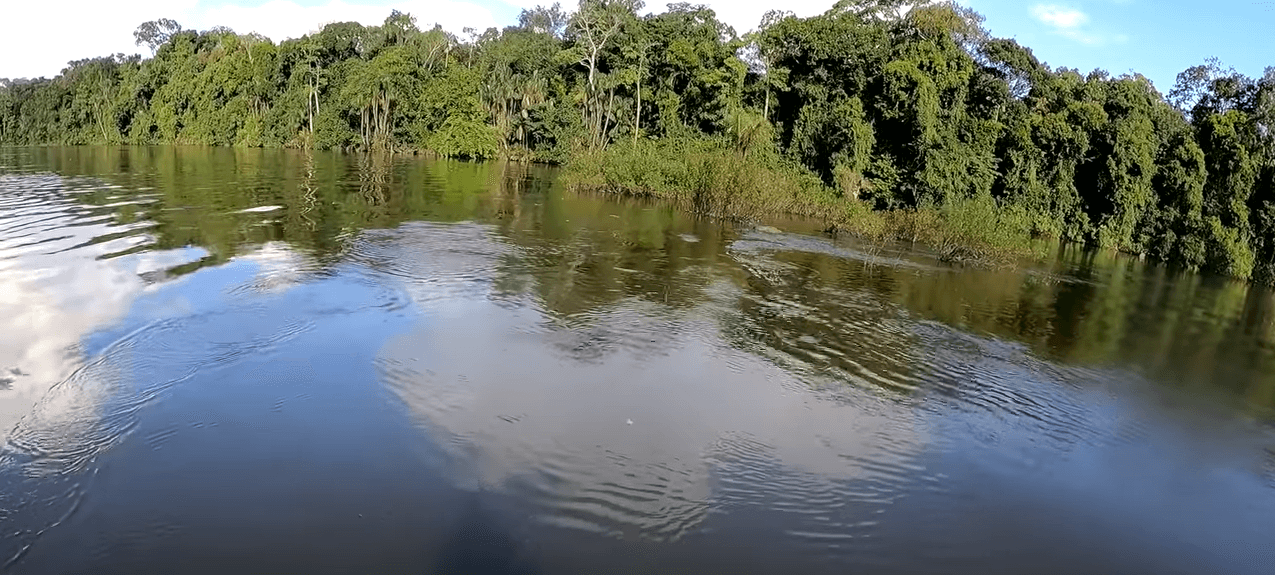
{"x":260,"y":209}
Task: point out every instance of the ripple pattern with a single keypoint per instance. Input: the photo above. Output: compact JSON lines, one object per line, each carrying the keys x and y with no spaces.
{"x":362,"y":364}
{"x":51,"y":457}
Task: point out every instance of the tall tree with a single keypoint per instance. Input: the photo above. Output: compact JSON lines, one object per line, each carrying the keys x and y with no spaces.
{"x":155,"y":33}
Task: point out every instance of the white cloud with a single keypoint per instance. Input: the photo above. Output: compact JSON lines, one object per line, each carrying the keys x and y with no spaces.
{"x":1072,"y":24}
{"x":744,"y":15}
{"x":282,"y":19}
{"x":1059,"y":16}
{"x":39,"y":38}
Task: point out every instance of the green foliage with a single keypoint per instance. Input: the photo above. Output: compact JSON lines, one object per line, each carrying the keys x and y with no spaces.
{"x":1227,"y":252}
{"x":973,"y":230}
{"x":713,"y":177}
{"x":465,"y":138}
{"x":961,"y":140}
{"x":709,"y":176}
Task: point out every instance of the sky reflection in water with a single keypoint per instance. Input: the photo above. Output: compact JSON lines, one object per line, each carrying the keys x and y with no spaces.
{"x":419,"y":367}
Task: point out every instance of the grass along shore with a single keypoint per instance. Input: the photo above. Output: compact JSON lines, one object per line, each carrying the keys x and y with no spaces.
{"x":716,"y":179}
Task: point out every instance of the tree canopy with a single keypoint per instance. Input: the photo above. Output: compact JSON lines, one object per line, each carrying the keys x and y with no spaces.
{"x":902,"y":105}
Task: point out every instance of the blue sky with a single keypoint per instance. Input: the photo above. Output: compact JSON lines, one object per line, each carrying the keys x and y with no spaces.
{"x":1158,"y":38}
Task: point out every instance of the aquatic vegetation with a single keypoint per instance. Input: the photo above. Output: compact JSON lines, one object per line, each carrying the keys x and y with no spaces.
{"x":713,"y":178}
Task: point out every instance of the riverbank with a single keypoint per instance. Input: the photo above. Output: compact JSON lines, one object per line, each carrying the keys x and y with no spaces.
{"x":714,"y":179}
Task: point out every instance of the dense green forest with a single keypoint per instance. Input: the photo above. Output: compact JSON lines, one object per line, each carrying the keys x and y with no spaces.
{"x":883,"y":105}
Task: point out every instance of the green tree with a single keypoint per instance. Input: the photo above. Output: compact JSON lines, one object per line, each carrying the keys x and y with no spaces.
{"x":155,"y":33}
{"x":891,"y":104}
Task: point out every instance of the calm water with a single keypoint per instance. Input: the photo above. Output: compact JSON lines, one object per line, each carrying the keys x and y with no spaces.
{"x":242,"y":361}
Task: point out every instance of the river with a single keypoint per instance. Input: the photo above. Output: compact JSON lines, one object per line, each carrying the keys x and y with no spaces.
{"x":247,"y":361}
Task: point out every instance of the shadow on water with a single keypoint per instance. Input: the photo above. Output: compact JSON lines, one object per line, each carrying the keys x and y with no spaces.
{"x":480,"y":544}
{"x":217,"y":360}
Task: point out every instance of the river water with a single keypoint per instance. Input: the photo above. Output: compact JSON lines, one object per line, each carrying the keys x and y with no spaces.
{"x":246,"y":361}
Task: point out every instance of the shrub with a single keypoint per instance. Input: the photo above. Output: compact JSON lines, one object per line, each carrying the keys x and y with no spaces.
{"x":707,"y":176}
{"x":464,"y":138}
{"x":716,"y":177}
{"x":1227,"y":251}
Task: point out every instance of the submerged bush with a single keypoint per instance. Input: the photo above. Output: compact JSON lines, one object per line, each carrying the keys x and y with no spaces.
{"x":707,"y":176}
{"x":715,"y":177}
{"x":969,"y":231}
{"x":463,"y":138}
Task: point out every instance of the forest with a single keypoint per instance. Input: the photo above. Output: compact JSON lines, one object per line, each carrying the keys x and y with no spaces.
{"x":886,"y":117}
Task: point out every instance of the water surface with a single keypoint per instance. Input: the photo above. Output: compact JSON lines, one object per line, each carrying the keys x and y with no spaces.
{"x":217,"y":360}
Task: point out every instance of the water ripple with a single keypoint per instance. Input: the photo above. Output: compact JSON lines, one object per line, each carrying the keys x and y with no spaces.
{"x":53,"y":452}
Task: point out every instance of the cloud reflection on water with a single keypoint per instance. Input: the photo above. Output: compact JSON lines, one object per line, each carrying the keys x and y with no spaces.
{"x":616,"y":419}
{"x":57,"y":285}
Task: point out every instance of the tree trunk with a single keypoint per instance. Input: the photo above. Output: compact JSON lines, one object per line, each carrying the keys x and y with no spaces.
{"x":593,"y":66}
{"x":365,"y":127}
{"x":309,"y":104}
{"x":387,"y":122}
{"x":637,"y":118}
{"x":606,"y":119}
{"x":102,"y":125}
{"x":598,"y":118}
{"x":766,"y":113}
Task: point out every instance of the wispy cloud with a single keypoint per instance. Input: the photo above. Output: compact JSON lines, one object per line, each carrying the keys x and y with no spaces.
{"x":99,"y":28}
{"x":1071,"y":23}
{"x":1060,"y":17}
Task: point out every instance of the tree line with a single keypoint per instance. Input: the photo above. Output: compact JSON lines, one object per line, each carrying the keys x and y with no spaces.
{"x":891,"y":104}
